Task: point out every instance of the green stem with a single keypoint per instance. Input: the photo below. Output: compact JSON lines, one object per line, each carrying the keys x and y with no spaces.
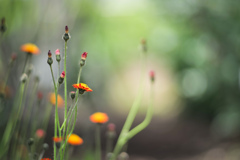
{"x":29,"y":55}
{"x":65,"y":85}
{"x":11,"y":124}
{"x":98,"y":141}
{"x":146,"y":121}
{"x":131,"y":116}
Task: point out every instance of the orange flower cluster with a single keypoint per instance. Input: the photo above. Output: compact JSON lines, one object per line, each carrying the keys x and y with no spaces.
{"x":30,"y":48}
{"x":99,"y":117}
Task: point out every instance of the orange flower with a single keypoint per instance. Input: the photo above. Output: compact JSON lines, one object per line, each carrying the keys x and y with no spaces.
{"x":99,"y":117}
{"x":82,"y":87}
{"x":30,"y":48}
{"x":75,"y":140}
{"x":57,"y":139}
{"x":40,"y":133}
{"x":52,"y":99}
{"x":46,"y":159}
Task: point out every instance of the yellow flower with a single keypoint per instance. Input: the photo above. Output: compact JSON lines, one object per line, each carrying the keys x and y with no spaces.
{"x":99,"y":117}
{"x":75,"y":140}
{"x":52,"y":100}
{"x":30,"y":48}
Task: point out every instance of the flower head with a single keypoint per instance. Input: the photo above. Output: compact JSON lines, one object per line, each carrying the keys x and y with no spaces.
{"x":75,"y":140}
{"x":52,"y":99}
{"x":99,"y":117}
{"x":40,"y":133}
{"x":46,"y":159}
{"x":30,"y":48}
{"x":82,"y":87}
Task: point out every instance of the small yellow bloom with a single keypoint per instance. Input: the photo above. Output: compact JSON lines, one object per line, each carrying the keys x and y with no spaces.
{"x":99,"y":117}
{"x":30,"y":48}
{"x":52,"y":100}
{"x":75,"y":140}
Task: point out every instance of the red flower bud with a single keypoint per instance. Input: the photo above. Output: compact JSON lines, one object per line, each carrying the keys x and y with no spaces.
{"x":84,"y":55}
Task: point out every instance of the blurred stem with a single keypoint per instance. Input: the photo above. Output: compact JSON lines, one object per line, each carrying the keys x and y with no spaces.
{"x":11,"y":124}
{"x":146,"y":121}
{"x":98,"y":141}
{"x":131,"y":115}
{"x":7,"y":75}
{"x":28,"y":57}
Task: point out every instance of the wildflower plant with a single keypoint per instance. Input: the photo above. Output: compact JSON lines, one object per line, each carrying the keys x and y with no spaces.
{"x":63,"y":139}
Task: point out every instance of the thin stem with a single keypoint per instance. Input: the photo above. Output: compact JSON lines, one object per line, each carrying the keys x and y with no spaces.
{"x":65,"y":84}
{"x":146,"y":121}
{"x":98,"y":142}
{"x":131,"y":116}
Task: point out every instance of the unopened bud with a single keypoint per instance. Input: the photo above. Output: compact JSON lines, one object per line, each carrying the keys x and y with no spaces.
{"x":61,"y":78}
{"x":66,"y":35}
{"x":152,"y":75}
{"x":58,"y":56}
{"x":84,"y":55}
{"x":50,"y":60}
{"x":40,"y":95}
{"x":72,"y":94}
{"x":82,"y":62}
{"x":24,"y":78}
{"x":30,"y":69}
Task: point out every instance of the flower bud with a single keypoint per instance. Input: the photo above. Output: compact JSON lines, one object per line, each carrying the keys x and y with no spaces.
{"x":58,"y":56}
{"x":30,"y":69}
{"x":50,"y":60}
{"x":66,"y":35}
{"x":72,"y":94}
{"x":61,"y":78}
{"x":152,"y":75}
{"x":84,"y":55}
{"x":82,"y":62}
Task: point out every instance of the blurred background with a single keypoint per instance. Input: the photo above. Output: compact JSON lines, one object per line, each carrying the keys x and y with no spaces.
{"x":193,"y":47}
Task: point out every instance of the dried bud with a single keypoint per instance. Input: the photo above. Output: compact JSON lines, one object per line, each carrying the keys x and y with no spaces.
{"x":152,"y":75}
{"x":72,"y":94}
